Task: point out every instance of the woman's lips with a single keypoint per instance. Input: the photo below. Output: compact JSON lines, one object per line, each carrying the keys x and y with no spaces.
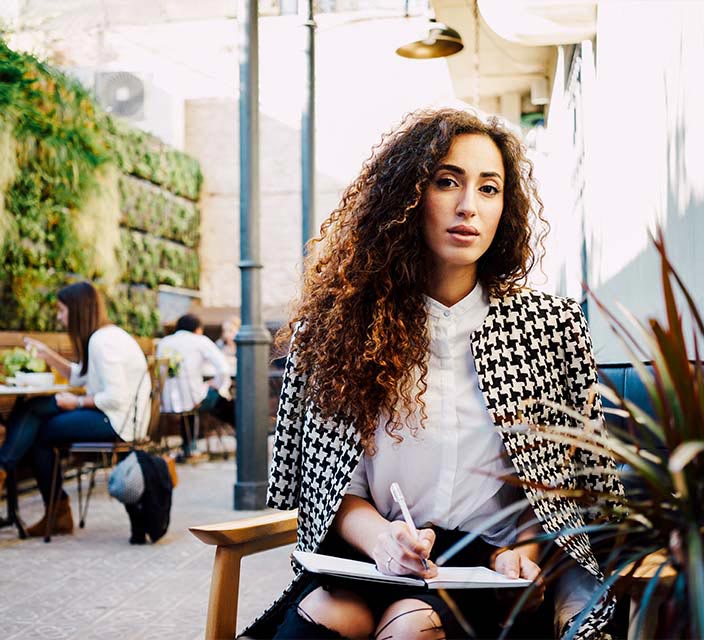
{"x":463,"y":234}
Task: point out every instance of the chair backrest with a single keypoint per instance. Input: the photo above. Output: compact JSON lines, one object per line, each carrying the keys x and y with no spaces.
{"x":157,"y":372}
{"x":625,"y":380}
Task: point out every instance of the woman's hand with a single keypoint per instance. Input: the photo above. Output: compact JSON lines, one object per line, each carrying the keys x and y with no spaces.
{"x":46,"y":353}
{"x":519,"y":563}
{"x":36,"y":347}
{"x":67,"y":401}
{"x":398,"y":552}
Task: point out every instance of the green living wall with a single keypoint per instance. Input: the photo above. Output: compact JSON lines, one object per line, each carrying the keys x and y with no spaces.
{"x":85,"y":196}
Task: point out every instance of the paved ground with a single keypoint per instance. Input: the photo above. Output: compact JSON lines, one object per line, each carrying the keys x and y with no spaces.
{"x":94,"y":584}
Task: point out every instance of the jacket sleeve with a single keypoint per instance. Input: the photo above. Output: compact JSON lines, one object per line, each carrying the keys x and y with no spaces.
{"x":597,"y":471}
{"x":285,"y":470}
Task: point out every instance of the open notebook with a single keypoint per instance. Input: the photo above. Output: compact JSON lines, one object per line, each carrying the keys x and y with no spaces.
{"x":447,"y":578}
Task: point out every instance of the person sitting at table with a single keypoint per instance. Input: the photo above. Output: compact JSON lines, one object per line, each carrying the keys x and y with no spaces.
{"x":185,"y":389}
{"x":112,"y":368}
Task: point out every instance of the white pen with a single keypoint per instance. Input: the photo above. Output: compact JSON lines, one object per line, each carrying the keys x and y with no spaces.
{"x":399,"y":498}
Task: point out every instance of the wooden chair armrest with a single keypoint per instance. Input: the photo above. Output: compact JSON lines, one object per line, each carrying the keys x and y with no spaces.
{"x":237,"y":532}
{"x":233,"y":541}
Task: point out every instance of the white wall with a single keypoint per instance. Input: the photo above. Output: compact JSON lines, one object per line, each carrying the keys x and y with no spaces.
{"x":648,"y":155}
{"x":643,"y":162}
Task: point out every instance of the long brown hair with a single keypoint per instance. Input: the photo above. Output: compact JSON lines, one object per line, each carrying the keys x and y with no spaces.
{"x":86,"y":314}
{"x":361,"y":323}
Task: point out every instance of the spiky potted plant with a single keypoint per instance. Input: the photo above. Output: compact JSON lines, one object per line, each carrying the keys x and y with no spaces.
{"x":665,"y":455}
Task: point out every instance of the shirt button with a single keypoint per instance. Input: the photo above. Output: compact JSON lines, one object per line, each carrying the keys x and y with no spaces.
{"x":446,"y":314}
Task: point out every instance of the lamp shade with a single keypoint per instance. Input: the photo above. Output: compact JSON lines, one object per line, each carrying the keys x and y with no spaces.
{"x":441,"y":41}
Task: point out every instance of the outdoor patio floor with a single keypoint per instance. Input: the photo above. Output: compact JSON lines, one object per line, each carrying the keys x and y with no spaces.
{"x":94,"y":584}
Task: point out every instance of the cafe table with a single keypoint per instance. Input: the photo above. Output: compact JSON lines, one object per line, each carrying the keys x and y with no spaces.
{"x":13,"y":516}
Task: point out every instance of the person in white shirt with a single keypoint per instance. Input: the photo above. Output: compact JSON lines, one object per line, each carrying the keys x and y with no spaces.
{"x":192,"y":354}
{"x":418,"y":357}
{"x":112,"y":368}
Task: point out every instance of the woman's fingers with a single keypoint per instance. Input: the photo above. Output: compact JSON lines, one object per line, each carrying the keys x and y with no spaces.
{"x":508,"y":563}
{"x":529,"y":570}
{"x":512,"y":564}
{"x":427,"y":540}
{"x":35,"y":345}
{"x":399,"y":552}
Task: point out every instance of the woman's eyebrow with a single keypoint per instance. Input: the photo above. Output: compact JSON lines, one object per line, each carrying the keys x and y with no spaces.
{"x":491,"y":174}
{"x":460,"y":171}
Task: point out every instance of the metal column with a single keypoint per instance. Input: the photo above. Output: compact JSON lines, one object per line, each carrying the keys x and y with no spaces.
{"x":308,"y":136}
{"x":253,"y":337}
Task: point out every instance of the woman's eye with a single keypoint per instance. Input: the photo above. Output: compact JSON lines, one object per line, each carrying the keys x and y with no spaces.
{"x":489,"y":188}
{"x":446,"y":182}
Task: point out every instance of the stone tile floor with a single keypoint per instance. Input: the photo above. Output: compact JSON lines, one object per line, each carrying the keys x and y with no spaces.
{"x":94,"y":584}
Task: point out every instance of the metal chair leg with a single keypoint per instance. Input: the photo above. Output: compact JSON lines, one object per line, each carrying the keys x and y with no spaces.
{"x":196,"y":426}
{"x":106,"y":467}
{"x":91,"y":485}
{"x":53,"y":502}
{"x":80,"y":495}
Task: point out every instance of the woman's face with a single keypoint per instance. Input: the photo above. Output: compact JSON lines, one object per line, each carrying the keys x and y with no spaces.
{"x":463,"y":204}
{"x":62,"y":313}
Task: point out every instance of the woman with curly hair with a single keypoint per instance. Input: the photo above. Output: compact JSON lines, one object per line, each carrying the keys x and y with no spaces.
{"x":417,"y":356}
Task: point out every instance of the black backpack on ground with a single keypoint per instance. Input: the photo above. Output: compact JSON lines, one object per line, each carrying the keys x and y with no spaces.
{"x":150,"y":514}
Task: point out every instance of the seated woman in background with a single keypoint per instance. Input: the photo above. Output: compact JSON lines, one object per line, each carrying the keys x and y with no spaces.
{"x":112,"y":368}
{"x":415,"y":344}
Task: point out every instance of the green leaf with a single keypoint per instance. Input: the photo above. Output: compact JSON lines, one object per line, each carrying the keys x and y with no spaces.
{"x":684,"y":454}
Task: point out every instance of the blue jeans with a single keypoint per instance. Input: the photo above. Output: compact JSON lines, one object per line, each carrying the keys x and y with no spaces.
{"x":37,"y":425}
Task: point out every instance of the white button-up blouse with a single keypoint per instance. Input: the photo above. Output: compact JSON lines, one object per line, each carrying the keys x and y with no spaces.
{"x":449,"y":470}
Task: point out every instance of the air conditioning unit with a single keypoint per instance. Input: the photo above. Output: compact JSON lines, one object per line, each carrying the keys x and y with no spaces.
{"x":135,"y":97}
{"x":120,"y":93}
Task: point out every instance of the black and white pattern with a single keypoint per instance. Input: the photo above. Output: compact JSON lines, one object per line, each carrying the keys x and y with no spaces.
{"x":532,"y":346}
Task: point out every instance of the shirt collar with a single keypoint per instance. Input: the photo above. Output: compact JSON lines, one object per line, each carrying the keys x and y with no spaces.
{"x":470,"y":301}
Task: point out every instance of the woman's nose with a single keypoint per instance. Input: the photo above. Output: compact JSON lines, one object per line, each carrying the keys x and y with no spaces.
{"x":467,"y":205}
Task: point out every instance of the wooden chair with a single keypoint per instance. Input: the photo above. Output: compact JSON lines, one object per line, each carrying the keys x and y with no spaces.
{"x":234,"y":540}
{"x":635,"y":583}
{"x":108,"y":450}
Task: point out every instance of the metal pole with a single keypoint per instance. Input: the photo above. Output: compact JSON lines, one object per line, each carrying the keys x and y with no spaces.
{"x":308,"y":136}
{"x":253,"y":338}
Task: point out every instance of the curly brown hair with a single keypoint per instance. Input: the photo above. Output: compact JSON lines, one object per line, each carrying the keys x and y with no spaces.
{"x":361,"y":332}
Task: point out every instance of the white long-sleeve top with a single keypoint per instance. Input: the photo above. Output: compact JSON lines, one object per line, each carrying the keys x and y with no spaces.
{"x":449,"y":470}
{"x":118,"y":380}
{"x":187,"y":390}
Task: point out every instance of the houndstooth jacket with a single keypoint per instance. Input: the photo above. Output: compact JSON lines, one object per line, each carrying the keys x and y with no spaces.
{"x":531,"y":346}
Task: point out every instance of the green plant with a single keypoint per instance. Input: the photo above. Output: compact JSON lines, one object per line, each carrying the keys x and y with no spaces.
{"x":18,"y":359}
{"x":62,"y":198}
{"x":667,"y":513}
